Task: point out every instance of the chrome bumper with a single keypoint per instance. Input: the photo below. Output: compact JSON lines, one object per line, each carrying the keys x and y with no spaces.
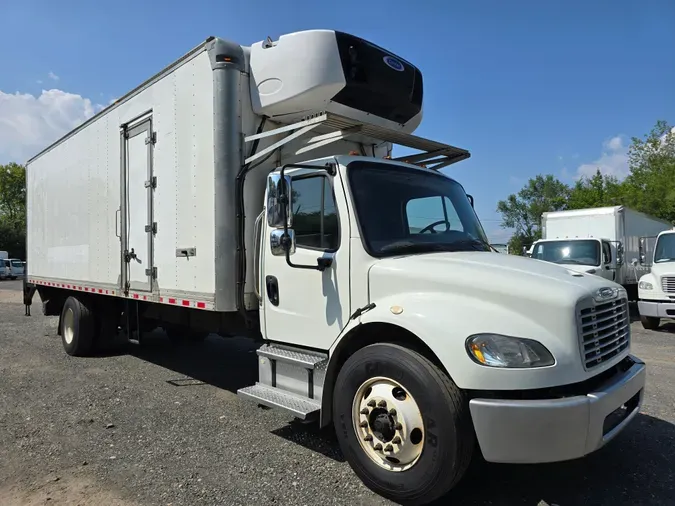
{"x":552,"y":430}
{"x":656,"y":309}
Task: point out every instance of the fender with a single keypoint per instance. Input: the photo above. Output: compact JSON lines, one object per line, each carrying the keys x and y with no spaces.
{"x":443,"y":321}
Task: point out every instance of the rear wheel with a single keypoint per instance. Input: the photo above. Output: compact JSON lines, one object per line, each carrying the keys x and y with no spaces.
{"x":78,"y":328}
{"x":403,"y":425}
{"x":650,"y":322}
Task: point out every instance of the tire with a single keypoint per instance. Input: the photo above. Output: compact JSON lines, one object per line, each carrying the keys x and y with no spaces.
{"x":650,"y":322}
{"x":78,"y":328}
{"x":447,"y":436}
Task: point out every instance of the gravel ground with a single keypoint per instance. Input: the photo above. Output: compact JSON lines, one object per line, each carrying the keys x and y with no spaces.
{"x":162,"y":425}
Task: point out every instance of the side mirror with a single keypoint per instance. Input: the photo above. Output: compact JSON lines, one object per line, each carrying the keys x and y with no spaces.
{"x":280,"y":241}
{"x":470,"y":197}
{"x":619,"y":254}
{"x":641,"y":250}
{"x":278,"y":195}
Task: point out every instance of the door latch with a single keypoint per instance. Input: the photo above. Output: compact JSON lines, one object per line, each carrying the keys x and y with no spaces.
{"x":129,"y":255}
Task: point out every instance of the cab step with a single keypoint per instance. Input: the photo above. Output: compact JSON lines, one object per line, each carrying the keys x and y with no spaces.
{"x":301,"y":407}
{"x":289,"y":378}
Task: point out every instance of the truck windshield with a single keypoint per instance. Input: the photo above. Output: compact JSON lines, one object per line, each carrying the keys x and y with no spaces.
{"x":582,"y":252}
{"x":405,"y":210}
{"x":665,"y":249}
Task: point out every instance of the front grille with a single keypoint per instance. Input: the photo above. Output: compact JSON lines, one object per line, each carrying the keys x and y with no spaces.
{"x":604,"y":330}
{"x":668,"y":284}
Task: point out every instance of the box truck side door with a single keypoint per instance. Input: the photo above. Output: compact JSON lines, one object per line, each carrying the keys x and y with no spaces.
{"x":306,"y":306}
{"x":137,"y":206}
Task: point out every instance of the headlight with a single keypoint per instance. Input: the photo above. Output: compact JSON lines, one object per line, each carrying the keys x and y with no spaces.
{"x":496,"y":350}
{"x":645,"y":285}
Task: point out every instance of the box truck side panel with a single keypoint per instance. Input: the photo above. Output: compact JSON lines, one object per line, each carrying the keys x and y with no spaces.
{"x":75,"y":190}
{"x":73,"y":193}
{"x":184,"y":197}
{"x":636,"y":225}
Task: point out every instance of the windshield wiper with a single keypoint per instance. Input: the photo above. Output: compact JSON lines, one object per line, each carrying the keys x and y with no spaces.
{"x":475,"y":242}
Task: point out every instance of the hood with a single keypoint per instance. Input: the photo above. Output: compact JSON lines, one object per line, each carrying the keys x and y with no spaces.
{"x":583,"y":268}
{"x":491,"y":277}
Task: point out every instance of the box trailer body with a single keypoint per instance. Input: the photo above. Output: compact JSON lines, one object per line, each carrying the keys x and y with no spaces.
{"x":656,"y":289}
{"x":252,"y":191}
{"x":607,"y":240}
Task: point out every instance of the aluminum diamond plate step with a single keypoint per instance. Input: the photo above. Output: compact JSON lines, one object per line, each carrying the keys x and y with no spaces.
{"x":300,"y":407}
{"x":302,"y":358}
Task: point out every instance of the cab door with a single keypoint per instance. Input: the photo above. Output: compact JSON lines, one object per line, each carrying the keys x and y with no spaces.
{"x":306,"y":303}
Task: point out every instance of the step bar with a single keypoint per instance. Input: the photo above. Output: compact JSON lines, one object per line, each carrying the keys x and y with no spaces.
{"x":290,"y":379}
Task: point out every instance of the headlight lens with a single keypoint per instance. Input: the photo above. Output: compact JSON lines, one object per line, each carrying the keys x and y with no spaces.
{"x":496,"y":350}
{"x":645,"y":285}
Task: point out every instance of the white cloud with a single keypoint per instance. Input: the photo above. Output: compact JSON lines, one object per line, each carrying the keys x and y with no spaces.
{"x":29,"y":123}
{"x":612,"y":161}
{"x":53,"y":76}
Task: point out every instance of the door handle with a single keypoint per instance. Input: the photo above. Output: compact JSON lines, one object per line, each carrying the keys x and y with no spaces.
{"x":272,"y":286}
{"x":117,"y":223}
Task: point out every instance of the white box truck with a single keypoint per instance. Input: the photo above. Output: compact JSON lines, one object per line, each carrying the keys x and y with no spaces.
{"x":656,"y":289}
{"x":604,"y":241}
{"x":192,"y":204}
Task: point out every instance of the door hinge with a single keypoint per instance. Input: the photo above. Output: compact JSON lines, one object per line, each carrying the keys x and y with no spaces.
{"x":151,"y":228}
{"x":152,"y":138}
{"x":127,"y":286}
{"x":152,"y":183}
{"x":151,"y":272}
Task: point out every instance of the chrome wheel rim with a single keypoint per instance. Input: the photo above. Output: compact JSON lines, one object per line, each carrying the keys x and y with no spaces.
{"x":69,"y":326}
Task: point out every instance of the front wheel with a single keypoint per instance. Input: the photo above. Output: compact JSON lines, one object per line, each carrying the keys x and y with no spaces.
{"x":403,"y":425}
{"x":650,"y":322}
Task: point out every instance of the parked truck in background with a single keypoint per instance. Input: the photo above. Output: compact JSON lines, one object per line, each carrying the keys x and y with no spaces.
{"x":656,"y":289}
{"x":603,"y":241}
{"x":192,"y":204}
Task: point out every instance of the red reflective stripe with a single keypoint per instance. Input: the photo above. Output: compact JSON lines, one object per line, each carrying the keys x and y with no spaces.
{"x":172,"y":301}
{"x":201,"y":305}
{"x":186,"y":302}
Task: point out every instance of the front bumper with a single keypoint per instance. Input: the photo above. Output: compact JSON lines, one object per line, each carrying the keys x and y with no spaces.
{"x":656,"y":309}
{"x":552,"y":430}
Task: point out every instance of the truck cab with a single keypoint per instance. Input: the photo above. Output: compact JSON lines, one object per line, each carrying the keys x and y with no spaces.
{"x":586,"y":255}
{"x":656,"y":290}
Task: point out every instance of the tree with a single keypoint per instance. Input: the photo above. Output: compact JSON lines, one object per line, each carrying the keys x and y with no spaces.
{"x":13,"y":209}
{"x":597,"y":191}
{"x":522,"y":211}
{"x":650,"y":186}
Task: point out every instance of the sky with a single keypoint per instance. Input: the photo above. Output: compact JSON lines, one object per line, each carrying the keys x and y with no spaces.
{"x":528,"y":87}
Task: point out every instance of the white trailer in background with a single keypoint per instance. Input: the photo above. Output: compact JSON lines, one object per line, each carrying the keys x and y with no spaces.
{"x":250,"y":190}
{"x":656,"y":289}
{"x":604,"y":241}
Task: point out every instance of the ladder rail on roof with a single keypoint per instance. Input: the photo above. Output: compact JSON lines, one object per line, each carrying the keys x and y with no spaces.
{"x":332,"y":127}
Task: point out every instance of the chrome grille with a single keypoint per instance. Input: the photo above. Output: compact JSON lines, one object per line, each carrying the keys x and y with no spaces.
{"x":605,"y":331}
{"x":668,"y":284}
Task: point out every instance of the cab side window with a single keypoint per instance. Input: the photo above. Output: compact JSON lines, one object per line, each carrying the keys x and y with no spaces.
{"x":315,"y":219}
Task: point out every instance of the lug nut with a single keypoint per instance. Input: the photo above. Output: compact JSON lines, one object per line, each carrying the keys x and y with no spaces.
{"x":396,"y":440}
{"x":382,"y":404}
{"x":398,"y":426}
{"x":392,"y":412}
{"x":372,"y":403}
{"x":377,"y":447}
{"x":388,"y":448}
{"x":365,"y":411}
{"x":363,"y":424}
{"x":368,"y":437}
